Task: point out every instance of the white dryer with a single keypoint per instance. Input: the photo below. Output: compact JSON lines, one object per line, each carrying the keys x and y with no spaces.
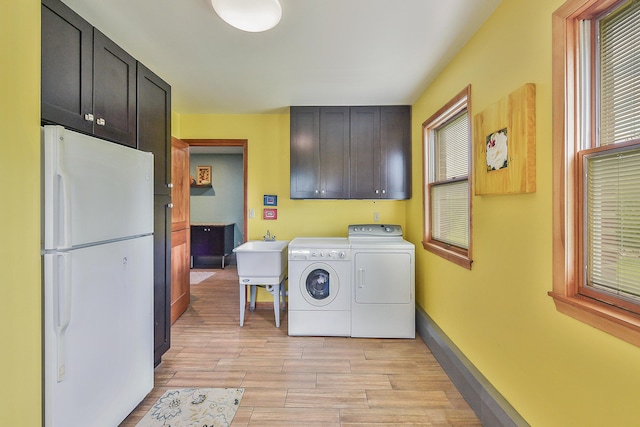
{"x":319,"y":286}
{"x":383,"y":282}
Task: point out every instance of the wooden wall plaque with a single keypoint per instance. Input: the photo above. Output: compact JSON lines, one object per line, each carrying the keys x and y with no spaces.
{"x":504,"y":145}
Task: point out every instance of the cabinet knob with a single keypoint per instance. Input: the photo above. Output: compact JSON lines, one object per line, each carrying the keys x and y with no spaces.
{"x":384,"y":191}
{"x":316,"y":191}
{"x":170,"y":185}
{"x":88,"y":117}
{"x":377,"y":191}
{"x":101,"y":122}
{"x":170,"y":205}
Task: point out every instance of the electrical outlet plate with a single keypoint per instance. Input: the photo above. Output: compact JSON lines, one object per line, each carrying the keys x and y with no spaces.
{"x":376,"y":217}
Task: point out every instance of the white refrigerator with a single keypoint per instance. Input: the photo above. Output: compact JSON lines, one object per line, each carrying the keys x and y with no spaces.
{"x":97,"y":255}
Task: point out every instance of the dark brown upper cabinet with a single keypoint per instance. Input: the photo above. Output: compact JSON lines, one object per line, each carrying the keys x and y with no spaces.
{"x":319,"y":152}
{"x":88,"y":82}
{"x":380,"y":152}
{"x":351,"y":152}
{"x":67,"y":66}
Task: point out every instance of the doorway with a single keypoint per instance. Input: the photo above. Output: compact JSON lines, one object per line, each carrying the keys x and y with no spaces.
{"x":221,"y":202}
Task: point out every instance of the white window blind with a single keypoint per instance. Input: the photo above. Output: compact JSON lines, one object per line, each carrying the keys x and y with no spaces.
{"x":452,"y":149}
{"x":620,"y":75}
{"x":613,"y":223}
{"x":450,"y":184}
{"x":450,"y":213}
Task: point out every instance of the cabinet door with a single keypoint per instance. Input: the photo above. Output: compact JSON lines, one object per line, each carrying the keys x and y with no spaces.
{"x":365,"y":153}
{"x":161,"y":276}
{"x":305,"y":152}
{"x":114,"y":91}
{"x":382,"y":278}
{"x":201,"y":241}
{"x":319,"y":152}
{"x":154,"y":125}
{"x":67,"y":66}
{"x":334,"y":152}
{"x":395,"y":152}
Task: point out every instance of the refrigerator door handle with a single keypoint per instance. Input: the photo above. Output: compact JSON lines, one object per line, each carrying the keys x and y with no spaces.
{"x":57,"y":203}
{"x":61,"y":307}
{"x":64,"y":206}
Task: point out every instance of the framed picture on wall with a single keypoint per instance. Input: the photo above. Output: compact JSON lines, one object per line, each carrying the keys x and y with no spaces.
{"x":203,"y":175}
{"x":504,"y":141}
{"x":270,"y":214}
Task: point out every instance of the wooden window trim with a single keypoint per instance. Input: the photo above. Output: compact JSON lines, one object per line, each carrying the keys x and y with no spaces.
{"x":566,"y":263}
{"x":458,"y":256}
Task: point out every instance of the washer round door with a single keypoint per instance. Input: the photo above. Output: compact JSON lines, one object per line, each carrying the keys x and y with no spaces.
{"x":319,"y":284}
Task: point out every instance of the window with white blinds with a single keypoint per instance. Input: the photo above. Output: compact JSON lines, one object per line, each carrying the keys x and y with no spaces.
{"x":611,"y":173}
{"x":596,"y":164}
{"x":447,"y":189}
{"x":450,"y":184}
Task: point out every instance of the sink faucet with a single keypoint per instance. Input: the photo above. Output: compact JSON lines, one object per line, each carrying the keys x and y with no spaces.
{"x":268,"y":237}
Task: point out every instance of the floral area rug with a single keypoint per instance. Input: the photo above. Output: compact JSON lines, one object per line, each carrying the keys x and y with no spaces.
{"x":196,"y":277}
{"x":194,"y":407}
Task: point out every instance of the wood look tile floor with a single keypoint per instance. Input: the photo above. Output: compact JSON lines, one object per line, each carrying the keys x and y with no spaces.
{"x":301,"y":381}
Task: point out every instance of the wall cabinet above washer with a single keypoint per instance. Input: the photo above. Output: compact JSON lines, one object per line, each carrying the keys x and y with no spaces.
{"x":380,"y":152}
{"x":319,"y":152}
{"x":351,"y":152}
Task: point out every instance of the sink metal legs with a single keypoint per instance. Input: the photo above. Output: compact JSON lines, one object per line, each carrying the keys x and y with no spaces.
{"x":279,"y":298}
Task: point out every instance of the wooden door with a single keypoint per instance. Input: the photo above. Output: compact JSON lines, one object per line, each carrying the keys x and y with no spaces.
{"x":180,"y":192}
{"x":180,"y":232}
{"x":180,"y":292}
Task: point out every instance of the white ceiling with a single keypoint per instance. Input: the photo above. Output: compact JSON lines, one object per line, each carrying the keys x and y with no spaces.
{"x":323,"y":52}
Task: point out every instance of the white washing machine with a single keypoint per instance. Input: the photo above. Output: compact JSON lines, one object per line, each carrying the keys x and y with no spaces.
{"x":319,"y":286}
{"x":383,"y":282}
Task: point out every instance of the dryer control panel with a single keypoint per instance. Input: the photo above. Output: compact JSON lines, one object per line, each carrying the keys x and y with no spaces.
{"x":375,"y":230}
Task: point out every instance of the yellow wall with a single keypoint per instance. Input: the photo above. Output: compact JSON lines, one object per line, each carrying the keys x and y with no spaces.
{"x":20,"y":357}
{"x":268,"y":173}
{"x":554,"y":370}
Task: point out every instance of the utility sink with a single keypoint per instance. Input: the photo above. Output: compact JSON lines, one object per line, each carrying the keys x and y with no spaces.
{"x":262,"y":262}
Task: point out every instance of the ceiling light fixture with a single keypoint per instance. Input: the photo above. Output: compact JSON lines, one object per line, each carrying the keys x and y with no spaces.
{"x":253,"y":16}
